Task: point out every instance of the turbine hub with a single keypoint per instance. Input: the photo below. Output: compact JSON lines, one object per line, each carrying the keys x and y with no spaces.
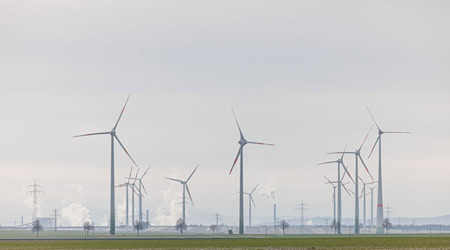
{"x":242,"y":142}
{"x":380,"y":132}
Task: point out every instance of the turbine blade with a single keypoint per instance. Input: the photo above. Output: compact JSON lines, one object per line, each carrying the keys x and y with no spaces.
{"x":373,"y":182}
{"x":342,"y":157}
{"x":365,"y":166}
{"x":145,"y":172}
{"x":253,"y":201}
{"x":99,"y":133}
{"x":135,"y":178}
{"x":395,"y":132}
{"x":359,"y":177}
{"x":134,"y":191}
{"x":346,"y":170}
{"x":362,"y":144}
{"x":260,"y":143}
{"x":192,"y":173}
{"x":346,"y":190}
{"x":117,"y":138}
{"x":189,"y":193}
{"x":180,"y":181}
{"x":121,"y":113}
{"x":370,"y":113}
{"x":371,"y":151}
{"x":129,"y":176}
{"x":328,"y":162}
{"x":142,"y":184}
{"x":235,"y":160}
{"x":254,"y":189}
{"x":327,"y":179}
{"x":334,"y":153}
{"x":237,"y":123}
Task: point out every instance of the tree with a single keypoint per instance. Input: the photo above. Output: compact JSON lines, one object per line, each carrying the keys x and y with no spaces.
{"x":180,"y":226}
{"x":138,"y":226}
{"x":37,"y":227}
{"x":87,"y":227}
{"x":334,"y":225}
{"x":213,"y":228}
{"x":387,"y":225}
{"x":284,"y":225}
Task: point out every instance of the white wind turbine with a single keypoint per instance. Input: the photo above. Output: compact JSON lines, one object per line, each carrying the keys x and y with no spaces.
{"x":140,"y":187}
{"x":380,"y":212}
{"x":334,"y":200}
{"x":250,"y":201}
{"x":128,"y":185}
{"x":112,"y":133}
{"x":339,"y":162}
{"x":240,"y":154}
{"x":358,"y":158}
{"x":363,"y":195}
{"x":185,"y":188}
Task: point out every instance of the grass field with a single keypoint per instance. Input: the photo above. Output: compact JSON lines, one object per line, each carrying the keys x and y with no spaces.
{"x":308,"y":242}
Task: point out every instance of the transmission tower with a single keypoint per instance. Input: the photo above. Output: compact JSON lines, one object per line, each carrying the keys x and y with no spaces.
{"x":302,"y":207}
{"x":217,"y":218}
{"x":55,"y":213}
{"x":35,"y":189}
{"x":388,"y":210}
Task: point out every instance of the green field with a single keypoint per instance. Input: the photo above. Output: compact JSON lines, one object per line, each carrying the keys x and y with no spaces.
{"x":308,"y":242}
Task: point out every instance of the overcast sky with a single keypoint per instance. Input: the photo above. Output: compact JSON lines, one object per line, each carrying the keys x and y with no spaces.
{"x":299,"y":74}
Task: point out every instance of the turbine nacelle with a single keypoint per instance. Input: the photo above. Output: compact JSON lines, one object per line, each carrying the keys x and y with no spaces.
{"x":242,"y":142}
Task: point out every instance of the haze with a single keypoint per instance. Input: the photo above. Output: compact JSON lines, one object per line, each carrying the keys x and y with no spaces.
{"x":299,"y":74}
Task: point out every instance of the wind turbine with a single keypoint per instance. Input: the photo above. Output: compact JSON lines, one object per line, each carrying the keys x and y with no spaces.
{"x":133,"y":188}
{"x":334,"y":200}
{"x":250,"y":200}
{"x":112,"y":133}
{"x":358,"y":158}
{"x":363,"y":194}
{"x":127,"y":185}
{"x":140,"y":188}
{"x":185,"y":188}
{"x":339,"y":162}
{"x":240,"y":153}
{"x":380,"y":215}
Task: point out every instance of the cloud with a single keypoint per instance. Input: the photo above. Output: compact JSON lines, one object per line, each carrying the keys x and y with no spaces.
{"x":268,"y":191}
{"x":76,"y":214}
{"x":170,"y":209}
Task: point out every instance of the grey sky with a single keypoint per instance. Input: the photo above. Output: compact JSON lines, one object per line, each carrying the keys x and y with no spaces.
{"x":298,"y":73}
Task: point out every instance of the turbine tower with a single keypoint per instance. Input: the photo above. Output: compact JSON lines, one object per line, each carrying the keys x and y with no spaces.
{"x":140,"y":195}
{"x":339,"y":162}
{"x":35,"y":189}
{"x":250,"y":201}
{"x":358,"y":158}
{"x":127,"y":185}
{"x":380,"y":215}
{"x":242,"y":142}
{"x":371,"y":207}
{"x":133,"y":187}
{"x":334,"y":199}
{"x":363,"y":195}
{"x":112,"y":133}
{"x":185,"y":188}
